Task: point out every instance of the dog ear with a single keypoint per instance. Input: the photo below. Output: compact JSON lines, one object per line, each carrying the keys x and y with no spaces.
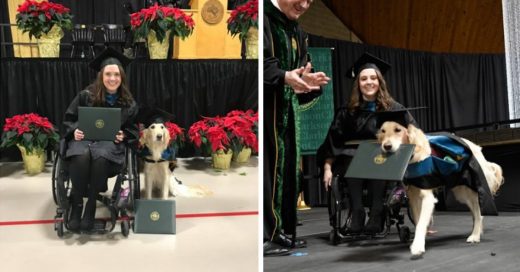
{"x":411,"y":131}
{"x":166,"y":136}
{"x":144,"y":137}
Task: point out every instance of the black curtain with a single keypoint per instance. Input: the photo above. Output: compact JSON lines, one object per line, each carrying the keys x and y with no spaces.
{"x":188,"y":89}
{"x":5,"y":31}
{"x":458,"y":89}
{"x":100,"y":11}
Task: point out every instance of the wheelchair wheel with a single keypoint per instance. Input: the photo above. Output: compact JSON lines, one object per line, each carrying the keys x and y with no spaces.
{"x":125,"y":228}
{"x":58,"y":226}
{"x":55,"y":169}
{"x":404,"y":234}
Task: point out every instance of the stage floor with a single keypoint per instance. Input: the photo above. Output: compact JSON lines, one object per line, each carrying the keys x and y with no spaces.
{"x":446,"y":250}
{"x":214,"y":233}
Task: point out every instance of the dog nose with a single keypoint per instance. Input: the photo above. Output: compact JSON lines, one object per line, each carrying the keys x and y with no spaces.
{"x":387,"y":147}
{"x":159,"y":137}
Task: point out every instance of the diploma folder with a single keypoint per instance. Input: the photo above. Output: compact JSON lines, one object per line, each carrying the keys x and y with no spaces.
{"x":370,"y":162}
{"x":98,"y":123}
{"x":155,"y":216}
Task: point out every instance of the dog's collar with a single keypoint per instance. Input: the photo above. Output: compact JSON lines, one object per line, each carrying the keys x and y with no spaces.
{"x":152,"y":161}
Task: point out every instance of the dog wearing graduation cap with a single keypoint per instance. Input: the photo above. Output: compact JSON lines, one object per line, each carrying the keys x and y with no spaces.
{"x":441,"y":159}
{"x":156,"y":152}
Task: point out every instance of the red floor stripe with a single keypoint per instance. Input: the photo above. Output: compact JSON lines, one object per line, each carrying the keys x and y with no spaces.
{"x":186,"y":215}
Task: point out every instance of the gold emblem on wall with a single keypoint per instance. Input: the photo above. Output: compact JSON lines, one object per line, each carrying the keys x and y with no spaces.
{"x":154,"y":216}
{"x":379,"y":159}
{"x":212,"y":12}
{"x":100,"y":123}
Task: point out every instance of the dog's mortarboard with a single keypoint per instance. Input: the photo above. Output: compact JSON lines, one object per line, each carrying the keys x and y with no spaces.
{"x":107,"y":57}
{"x":148,"y":115}
{"x":368,"y":60}
{"x":400,"y":116}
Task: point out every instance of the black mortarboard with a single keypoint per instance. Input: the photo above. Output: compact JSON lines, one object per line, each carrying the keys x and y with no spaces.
{"x":368,"y":60}
{"x":400,"y":116}
{"x":148,"y":115}
{"x":109,"y":56}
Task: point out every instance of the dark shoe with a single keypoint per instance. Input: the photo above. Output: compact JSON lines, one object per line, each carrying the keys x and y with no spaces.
{"x":284,"y":241}
{"x":75,"y":216}
{"x":357,"y":221}
{"x":375,"y":223}
{"x":87,"y":222}
{"x":272,"y":249}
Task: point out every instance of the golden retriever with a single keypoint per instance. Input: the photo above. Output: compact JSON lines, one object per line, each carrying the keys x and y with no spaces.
{"x":422,"y":201}
{"x":157,"y":173}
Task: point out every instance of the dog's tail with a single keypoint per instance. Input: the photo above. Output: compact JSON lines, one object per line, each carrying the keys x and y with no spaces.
{"x":498,"y":177}
{"x":492,"y":171}
{"x":179,"y":189}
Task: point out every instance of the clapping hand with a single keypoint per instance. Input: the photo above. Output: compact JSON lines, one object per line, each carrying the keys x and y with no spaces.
{"x":302,"y":80}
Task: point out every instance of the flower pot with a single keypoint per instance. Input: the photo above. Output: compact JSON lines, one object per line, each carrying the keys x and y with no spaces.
{"x":222,"y":160}
{"x":49,"y":44}
{"x":252,"y":43}
{"x":34,"y":162}
{"x":156,"y":49}
{"x":242,"y":156}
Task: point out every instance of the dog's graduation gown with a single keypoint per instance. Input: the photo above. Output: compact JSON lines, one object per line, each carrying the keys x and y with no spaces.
{"x":106,"y":149}
{"x":468,"y":173}
{"x":285,"y":49}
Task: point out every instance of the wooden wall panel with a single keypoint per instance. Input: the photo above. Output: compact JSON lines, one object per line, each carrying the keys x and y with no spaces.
{"x":457,"y":26}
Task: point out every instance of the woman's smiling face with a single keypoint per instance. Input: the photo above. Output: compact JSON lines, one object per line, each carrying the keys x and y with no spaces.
{"x":368,"y":84}
{"x":111,"y":78}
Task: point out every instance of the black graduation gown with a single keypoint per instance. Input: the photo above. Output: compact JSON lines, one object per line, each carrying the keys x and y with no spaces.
{"x":106,"y":149}
{"x":281,"y":167}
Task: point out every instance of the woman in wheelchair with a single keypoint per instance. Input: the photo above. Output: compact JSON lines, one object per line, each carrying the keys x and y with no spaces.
{"x":91,"y":163}
{"x":358,"y":121}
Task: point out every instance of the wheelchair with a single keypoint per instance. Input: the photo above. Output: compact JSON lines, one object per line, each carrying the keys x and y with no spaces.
{"x":120,"y":203}
{"x":340,"y":213}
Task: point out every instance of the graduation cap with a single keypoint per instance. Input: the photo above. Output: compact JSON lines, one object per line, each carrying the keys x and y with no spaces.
{"x":368,"y":60}
{"x":148,"y":115}
{"x":400,"y":116}
{"x":107,"y":57}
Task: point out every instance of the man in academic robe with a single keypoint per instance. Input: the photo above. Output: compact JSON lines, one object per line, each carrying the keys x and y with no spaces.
{"x":289,"y":81}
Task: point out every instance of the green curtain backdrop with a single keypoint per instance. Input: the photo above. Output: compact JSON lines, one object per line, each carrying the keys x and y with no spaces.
{"x":316,"y":116}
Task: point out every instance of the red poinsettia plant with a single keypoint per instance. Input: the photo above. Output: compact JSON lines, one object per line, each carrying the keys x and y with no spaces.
{"x":38,"y":18}
{"x":234,"y":131}
{"x":209,"y":135}
{"x":243,"y":129}
{"x":161,"y":19}
{"x":177,"y":137}
{"x":31,"y":131}
{"x":242,"y":18}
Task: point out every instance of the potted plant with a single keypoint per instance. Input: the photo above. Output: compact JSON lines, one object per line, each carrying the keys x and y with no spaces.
{"x":244,"y":22}
{"x":243,"y":129}
{"x":177,"y":138}
{"x":32,"y":134}
{"x":45,"y":21}
{"x":209,"y":135}
{"x":156,"y":23}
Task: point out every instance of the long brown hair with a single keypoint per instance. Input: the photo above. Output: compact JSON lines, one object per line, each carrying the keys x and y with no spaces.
{"x":98,"y":89}
{"x":383,"y":98}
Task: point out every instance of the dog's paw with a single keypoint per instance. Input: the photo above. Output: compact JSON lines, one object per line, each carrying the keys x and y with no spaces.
{"x":473,"y":239}
{"x":417,"y":250}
